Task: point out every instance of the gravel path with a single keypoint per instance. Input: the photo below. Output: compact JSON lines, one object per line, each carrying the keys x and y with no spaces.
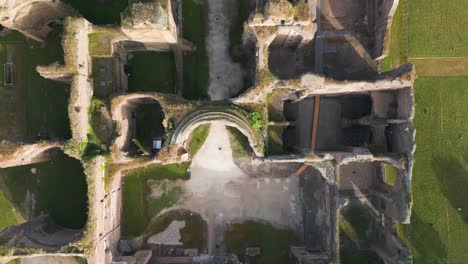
{"x":226,"y":77}
{"x":221,"y":192}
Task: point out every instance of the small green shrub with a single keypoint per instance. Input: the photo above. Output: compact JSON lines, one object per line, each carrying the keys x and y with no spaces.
{"x":256,"y":121}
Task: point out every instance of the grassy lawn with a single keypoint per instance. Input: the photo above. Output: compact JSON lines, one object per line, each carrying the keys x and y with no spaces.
{"x":193,"y":235}
{"x":151,"y":72}
{"x":396,"y":53}
{"x":440,"y":66}
{"x":239,"y":143}
{"x":138,"y":207}
{"x":195,"y":63}
{"x":44,"y":102}
{"x":438,"y":232}
{"x":197,"y":138}
{"x":59,"y":187}
{"x":99,"y":12}
{"x":7,"y":218}
{"x":390,"y":174}
{"x":436,"y":28}
{"x":149,"y":126}
{"x":275,"y":140}
{"x":100,"y":44}
{"x":273,"y":242}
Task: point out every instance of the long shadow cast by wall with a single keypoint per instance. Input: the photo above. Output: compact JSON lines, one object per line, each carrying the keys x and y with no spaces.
{"x":453,"y":179}
{"x":426,"y":240}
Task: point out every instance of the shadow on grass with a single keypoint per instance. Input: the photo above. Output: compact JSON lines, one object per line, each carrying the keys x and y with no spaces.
{"x":453,"y":179}
{"x":426,"y":240}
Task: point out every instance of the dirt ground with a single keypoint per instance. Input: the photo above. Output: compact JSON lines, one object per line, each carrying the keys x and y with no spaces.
{"x":222,"y":193}
{"x":52,"y":260}
{"x":225,"y":76}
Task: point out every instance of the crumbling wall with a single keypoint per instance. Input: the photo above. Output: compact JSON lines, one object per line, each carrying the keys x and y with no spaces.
{"x":40,"y":232}
{"x":30,"y":154}
{"x":31,"y":17}
{"x":384,"y":12}
{"x":149,"y":22}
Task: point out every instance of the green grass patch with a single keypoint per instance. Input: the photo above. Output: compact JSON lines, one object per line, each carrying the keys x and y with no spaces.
{"x":100,"y":43}
{"x":436,"y":28}
{"x":193,"y":235}
{"x":275,"y":140}
{"x":59,"y":187}
{"x":7,"y":218}
{"x":390,"y":174}
{"x":273,"y":242}
{"x":96,"y":134}
{"x":396,"y":50}
{"x":195,"y":63}
{"x":149,"y":118}
{"x":100,"y":12}
{"x":151,"y":72}
{"x":44,"y":103}
{"x":438,"y":232}
{"x":138,"y":207}
{"x":239,"y":143}
{"x":197,"y":138}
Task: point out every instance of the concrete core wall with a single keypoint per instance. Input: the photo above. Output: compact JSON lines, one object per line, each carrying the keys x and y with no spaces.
{"x":32,"y":17}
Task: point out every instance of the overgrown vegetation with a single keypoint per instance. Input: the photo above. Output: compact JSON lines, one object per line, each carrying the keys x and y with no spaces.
{"x":273,"y":242}
{"x":239,"y":143}
{"x":390,"y":174}
{"x":265,"y":78}
{"x":196,"y":62}
{"x":275,"y":140}
{"x":92,"y":145}
{"x":100,"y":43}
{"x":138,"y":205}
{"x":197,"y":138}
{"x":256,"y":121}
{"x":302,"y":12}
{"x":274,"y":105}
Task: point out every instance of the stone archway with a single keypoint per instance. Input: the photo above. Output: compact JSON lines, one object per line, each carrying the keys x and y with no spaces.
{"x":225,"y":117}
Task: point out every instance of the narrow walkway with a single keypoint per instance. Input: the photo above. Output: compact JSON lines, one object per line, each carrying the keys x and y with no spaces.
{"x":225,"y":76}
{"x":83,"y":86}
